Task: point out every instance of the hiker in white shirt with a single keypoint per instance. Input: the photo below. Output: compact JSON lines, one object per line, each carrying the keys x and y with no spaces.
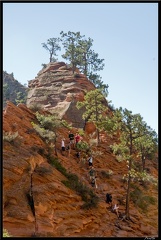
{"x":90,"y":161}
{"x":115,"y":209}
{"x":62,"y":146}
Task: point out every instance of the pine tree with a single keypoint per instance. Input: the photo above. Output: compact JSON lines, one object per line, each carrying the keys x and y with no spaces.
{"x":95,"y":108}
{"x":52,"y":46}
{"x":90,"y":62}
{"x":130,"y":130}
{"x":72,"y":52}
{"x":78,"y":51}
{"x":96,"y":80}
{"x":146,"y":144}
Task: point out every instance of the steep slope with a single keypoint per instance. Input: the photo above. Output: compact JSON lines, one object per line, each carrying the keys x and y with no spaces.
{"x":36,"y":202}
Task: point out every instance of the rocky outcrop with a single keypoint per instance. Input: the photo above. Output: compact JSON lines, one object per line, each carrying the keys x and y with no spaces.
{"x":56,"y":89}
{"x":37,"y":203}
{"x":13,"y":90}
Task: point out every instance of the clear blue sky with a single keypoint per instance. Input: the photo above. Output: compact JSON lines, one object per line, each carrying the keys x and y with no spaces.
{"x":124,"y":34}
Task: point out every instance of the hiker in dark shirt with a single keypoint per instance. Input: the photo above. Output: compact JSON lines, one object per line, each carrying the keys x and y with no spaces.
{"x":92,"y":172}
{"x":109,"y":199}
{"x":93,"y":182}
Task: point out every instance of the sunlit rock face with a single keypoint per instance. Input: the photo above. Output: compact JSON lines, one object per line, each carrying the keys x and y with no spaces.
{"x":37,"y":203}
{"x":57,"y":89}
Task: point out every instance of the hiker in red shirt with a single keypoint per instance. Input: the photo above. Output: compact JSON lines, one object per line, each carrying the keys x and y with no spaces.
{"x":77,"y":138}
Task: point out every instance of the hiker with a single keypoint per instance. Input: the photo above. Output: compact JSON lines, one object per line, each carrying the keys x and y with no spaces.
{"x":77,"y":139}
{"x":115,"y":209}
{"x":71,"y":138}
{"x":93,"y":182}
{"x":109,"y":199}
{"x":62,"y":146}
{"x":90,"y":161}
{"x":92,"y":172}
{"x":68,"y":149}
{"x":78,"y":156}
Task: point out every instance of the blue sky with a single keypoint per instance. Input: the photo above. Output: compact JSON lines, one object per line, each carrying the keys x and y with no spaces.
{"x":125,"y":35}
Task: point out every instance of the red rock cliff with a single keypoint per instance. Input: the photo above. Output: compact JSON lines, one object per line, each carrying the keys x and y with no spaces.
{"x":56,"y":210}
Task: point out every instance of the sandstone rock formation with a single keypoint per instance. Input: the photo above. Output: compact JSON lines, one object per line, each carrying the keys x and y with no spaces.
{"x":57,"y":90}
{"x":37,"y":203}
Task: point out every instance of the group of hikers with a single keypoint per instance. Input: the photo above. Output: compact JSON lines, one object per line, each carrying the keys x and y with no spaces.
{"x":72,"y":144}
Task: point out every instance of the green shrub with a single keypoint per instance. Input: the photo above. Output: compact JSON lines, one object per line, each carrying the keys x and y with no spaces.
{"x":119,"y":158}
{"x":42,"y":170}
{"x":87,"y":195}
{"x":6,"y":233}
{"x":107,"y":174}
{"x":93,"y":202}
{"x":140,"y":200}
{"x":136,"y":195}
{"x":83,"y":146}
{"x":81,"y":132}
{"x":35,"y":107}
{"x":150,"y":199}
{"x":55,"y":162}
{"x":44,"y":133}
{"x":9,"y":137}
{"x":48,"y":126}
{"x":21,"y":97}
{"x":72,"y":177}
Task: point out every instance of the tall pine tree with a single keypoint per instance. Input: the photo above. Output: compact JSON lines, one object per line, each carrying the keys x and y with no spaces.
{"x":52,"y":46}
{"x":95,"y":109}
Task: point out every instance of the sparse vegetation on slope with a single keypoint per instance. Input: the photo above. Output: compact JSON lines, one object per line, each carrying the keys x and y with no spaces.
{"x":73,"y":182}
